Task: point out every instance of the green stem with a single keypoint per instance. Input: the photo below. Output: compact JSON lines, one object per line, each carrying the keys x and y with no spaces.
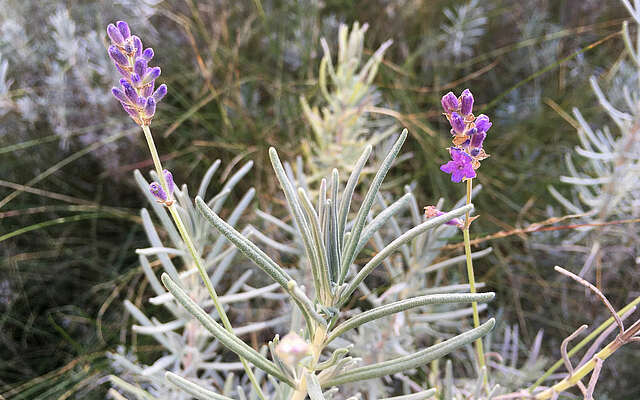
{"x":194,"y":254}
{"x":472,"y":283}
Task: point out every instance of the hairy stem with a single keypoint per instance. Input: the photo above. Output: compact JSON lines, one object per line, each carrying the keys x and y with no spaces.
{"x":472,"y":282}
{"x":194,"y":254}
{"x":317,"y":346}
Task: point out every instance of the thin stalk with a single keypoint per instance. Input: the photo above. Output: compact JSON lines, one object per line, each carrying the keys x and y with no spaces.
{"x":316,"y":350}
{"x":472,"y":282}
{"x":196,"y":257}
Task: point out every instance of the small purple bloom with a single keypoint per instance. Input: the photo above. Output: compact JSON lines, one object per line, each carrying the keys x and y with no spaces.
{"x":482,"y":123}
{"x":117,"y":56}
{"x":460,"y":167}
{"x":160,"y":92}
{"x":431,"y":212}
{"x":114,"y":34}
{"x":467,"y":102}
{"x":156,"y":190}
{"x":123,"y":27}
{"x":168,"y":177}
{"x":147,"y":54}
{"x":457,"y":123}
{"x":150,"y":107}
{"x":449,"y":102}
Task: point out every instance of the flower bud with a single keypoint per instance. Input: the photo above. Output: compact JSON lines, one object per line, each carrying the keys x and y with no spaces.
{"x":150,"y":107}
{"x":449,"y":102}
{"x":466,"y":100}
{"x":123,"y":27}
{"x":140,"y":67}
{"x":292,"y":348}
{"x":137,"y":46}
{"x":457,"y":123}
{"x":168,"y":177}
{"x":119,"y":94}
{"x":150,"y":76}
{"x":117,"y":56}
{"x":114,"y":34}
{"x":156,"y":190}
{"x":477,"y":139}
{"x":147,"y":54}
{"x":130,"y":92}
{"x":160,"y":92}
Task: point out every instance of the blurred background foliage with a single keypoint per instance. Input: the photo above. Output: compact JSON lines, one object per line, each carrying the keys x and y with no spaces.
{"x":236,"y":71}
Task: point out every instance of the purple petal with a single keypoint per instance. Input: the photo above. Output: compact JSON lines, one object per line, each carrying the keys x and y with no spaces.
{"x":157,"y":191}
{"x":147,"y":54}
{"x":160,"y":92}
{"x":467,"y":102}
{"x":117,"y":56}
{"x":449,"y":167}
{"x":114,"y":34}
{"x":457,"y":123}
{"x":123,"y":27}
{"x":482,"y":123}
{"x":449,"y":102}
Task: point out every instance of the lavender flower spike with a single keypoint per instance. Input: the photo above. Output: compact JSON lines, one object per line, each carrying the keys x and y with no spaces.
{"x":137,"y":94}
{"x":461,"y":166}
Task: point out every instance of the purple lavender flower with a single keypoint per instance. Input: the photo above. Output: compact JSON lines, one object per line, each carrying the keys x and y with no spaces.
{"x":482,"y":123}
{"x":466,"y":101}
{"x":137,"y":95}
{"x":461,"y":166}
{"x":449,"y":102}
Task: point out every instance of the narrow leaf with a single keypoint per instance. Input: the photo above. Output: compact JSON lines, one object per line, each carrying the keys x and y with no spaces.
{"x":228,"y":339}
{"x":411,"y":361}
{"x":193,"y":389}
{"x":402,"y":305}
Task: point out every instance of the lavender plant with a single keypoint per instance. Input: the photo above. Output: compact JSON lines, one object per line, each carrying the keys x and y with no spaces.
{"x":604,"y":184}
{"x":330,"y":247}
{"x":345,"y":126}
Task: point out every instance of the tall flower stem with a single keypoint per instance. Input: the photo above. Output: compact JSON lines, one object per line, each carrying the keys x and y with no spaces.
{"x":472,"y":281}
{"x":194,"y":254}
